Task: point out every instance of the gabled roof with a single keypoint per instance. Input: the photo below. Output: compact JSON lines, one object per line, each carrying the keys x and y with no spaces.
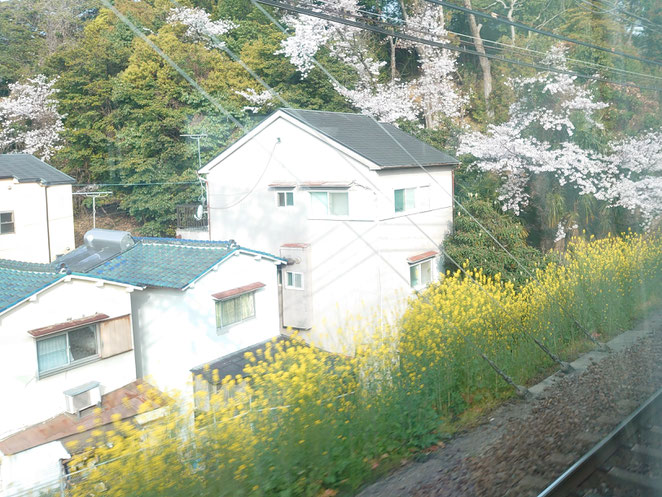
{"x":125,"y":402}
{"x":19,"y":281}
{"x":168,"y":262}
{"x":26,"y":168}
{"x":382,"y":143}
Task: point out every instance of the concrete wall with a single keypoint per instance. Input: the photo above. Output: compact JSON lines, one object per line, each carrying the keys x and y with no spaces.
{"x":38,"y":469}
{"x":30,"y":241}
{"x":358,"y":263}
{"x":27,"y":399}
{"x":175,"y":330}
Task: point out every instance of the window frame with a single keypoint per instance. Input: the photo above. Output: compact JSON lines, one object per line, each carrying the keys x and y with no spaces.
{"x":294,"y":274}
{"x":328,"y":214}
{"x":420,"y":201}
{"x":286,"y":194}
{"x":222,"y":327}
{"x":419,"y":265}
{"x":4,"y":223}
{"x":71,"y":364}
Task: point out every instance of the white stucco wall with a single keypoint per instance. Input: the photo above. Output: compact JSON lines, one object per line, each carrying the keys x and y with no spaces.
{"x":30,"y":241}
{"x":26,"y":398}
{"x":37,"y":469}
{"x":175,"y":330}
{"x":359,"y":263}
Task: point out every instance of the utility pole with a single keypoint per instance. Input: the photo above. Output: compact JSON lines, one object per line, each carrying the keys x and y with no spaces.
{"x":94,"y":196}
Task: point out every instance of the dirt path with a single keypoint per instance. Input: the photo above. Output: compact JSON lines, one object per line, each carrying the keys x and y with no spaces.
{"x":524,"y":444}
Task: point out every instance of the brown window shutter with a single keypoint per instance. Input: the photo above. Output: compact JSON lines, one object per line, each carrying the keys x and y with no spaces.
{"x":115,"y":336}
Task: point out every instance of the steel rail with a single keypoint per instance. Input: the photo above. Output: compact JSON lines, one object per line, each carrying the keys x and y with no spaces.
{"x":572,"y":478}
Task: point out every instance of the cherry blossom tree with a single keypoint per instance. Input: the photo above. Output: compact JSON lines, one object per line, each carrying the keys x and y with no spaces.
{"x":539,"y":139}
{"x":431,"y":95}
{"x":200,"y":26}
{"x":639,"y":185}
{"x":29,"y":120}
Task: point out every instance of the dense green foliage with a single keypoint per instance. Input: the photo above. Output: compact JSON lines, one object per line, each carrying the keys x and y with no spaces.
{"x":471,"y":244}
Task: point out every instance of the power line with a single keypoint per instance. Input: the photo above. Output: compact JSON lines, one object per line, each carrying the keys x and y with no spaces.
{"x":323,"y":14}
{"x":497,"y":18}
{"x":139,"y":184}
{"x":455,"y":201}
{"x":493,"y":44}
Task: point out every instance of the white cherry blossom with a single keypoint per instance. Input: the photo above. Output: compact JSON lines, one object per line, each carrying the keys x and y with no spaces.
{"x":29,"y":120}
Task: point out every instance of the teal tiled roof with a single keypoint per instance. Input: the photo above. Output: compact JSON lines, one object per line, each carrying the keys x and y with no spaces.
{"x":19,"y":280}
{"x":166,"y":262}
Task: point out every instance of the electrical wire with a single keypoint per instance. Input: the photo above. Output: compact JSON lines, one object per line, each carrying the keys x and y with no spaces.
{"x":497,"y":18}
{"x":496,"y":45}
{"x":323,"y":14}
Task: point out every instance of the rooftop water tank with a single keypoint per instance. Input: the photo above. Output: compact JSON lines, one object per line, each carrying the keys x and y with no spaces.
{"x":116,"y":241}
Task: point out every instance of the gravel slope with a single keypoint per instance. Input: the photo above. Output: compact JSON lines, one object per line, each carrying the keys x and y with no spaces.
{"x":524,"y":445}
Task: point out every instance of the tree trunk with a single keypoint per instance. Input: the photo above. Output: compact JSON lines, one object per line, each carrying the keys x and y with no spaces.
{"x":485,"y":65}
{"x":394,"y":70}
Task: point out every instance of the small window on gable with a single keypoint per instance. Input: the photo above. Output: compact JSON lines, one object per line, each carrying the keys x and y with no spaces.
{"x":420,"y":274}
{"x":6,"y":222}
{"x":294,"y":280}
{"x":285,"y":199}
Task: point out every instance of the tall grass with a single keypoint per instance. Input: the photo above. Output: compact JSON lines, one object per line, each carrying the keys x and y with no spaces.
{"x":307,"y":423}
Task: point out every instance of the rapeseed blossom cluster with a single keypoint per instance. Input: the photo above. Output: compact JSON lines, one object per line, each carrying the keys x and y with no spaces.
{"x":306,"y":422}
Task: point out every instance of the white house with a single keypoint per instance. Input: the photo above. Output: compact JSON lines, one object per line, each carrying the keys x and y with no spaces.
{"x":65,"y":341}
{"x":78,"y":332}
{"x":36,"y":459}
{"x":36,"y":210}
{"x":357,"y":207}
{"x":200,"y":300}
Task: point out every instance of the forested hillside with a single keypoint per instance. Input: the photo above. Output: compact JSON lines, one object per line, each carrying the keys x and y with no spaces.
{"x":551,"y":129}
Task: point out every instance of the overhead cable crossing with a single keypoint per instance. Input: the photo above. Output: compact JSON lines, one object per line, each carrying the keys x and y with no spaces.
{"x":497,"y":18}
{"x":391,"y":31}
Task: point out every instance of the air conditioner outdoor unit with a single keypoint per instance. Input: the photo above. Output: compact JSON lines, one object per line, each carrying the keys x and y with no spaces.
{"x":82,"y":397}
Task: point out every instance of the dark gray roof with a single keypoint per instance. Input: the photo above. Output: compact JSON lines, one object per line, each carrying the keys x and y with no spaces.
{"x":232,"y":364}
{"x":381,"y":143}
{"x":26,"y":168}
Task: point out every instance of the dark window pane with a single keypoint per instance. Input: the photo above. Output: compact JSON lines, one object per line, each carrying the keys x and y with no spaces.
{"x":82,"y":343}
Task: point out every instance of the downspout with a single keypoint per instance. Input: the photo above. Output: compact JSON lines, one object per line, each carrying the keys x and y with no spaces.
{"x":206,"y":180}
{"x":48,"y":228}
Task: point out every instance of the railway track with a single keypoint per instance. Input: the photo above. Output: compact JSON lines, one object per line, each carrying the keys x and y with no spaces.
{"x":627,"y":462}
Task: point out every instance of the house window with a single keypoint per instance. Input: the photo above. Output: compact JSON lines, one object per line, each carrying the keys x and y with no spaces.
{"x":6,"y":222}
{"x":285,"y":199}
{"x":67,"y":349}
{"x":294,"y":280}
{"x":235,"y":310}
{"x":404,"y":199}
{"x":420,"y":274}
{"x":329,"y":203}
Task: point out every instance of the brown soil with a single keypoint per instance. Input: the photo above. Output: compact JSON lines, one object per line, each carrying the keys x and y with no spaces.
{"x":525,"y":444}
{"x":109,"y":219}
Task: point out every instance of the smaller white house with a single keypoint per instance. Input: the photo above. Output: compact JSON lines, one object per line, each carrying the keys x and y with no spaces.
{"x":65,"y":342}
{"x":36,"y":210}
{"x":36,"y":459}
{"x":200,"y":300}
